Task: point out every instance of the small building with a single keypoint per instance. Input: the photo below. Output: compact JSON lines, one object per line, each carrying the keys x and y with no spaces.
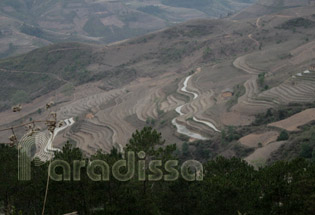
{"x":311,"y":68}
{"x":228,"y":92}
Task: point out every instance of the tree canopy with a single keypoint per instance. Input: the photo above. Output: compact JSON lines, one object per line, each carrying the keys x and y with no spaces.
{"x":230,"y":186}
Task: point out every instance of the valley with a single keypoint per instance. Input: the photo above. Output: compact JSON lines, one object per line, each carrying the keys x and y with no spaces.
{"x":152,"y":107}
{"x":193,"y":82}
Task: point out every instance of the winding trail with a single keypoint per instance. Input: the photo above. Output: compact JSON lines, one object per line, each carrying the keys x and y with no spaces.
{"x":183,"y":129}
{"x":49,"y":148}
{"x":258,"y":22}
{"x":44,"y":141}
{"x":250,"y":36}
{"x":184,"y":88}
{"x":209,"y":124}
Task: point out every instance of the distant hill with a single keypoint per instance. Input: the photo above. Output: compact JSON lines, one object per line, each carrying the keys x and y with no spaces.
{"x":284,"y":3}
{"x":210,"y":7}
{"x":29,"y":24}
{"x":263,"y":7}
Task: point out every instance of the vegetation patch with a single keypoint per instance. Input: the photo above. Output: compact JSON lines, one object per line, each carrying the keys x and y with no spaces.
{"x":301,"y":144}
{"x":261,"y":81}
{"x":242,"y":151}
{"x":238,"y":91}
{"x":228,"y":186}
{"x":297,"y":22}
{"x":284,"y":135}
{"x":230,"y":134}
{"x":31,"y":30}
{"x":273,"y":115}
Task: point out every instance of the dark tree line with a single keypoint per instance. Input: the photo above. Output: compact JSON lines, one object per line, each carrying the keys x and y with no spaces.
{"x":229,"y":186}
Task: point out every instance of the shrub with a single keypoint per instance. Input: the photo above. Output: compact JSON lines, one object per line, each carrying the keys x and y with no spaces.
{"x":229,"y":135}
{"x":150,"y":121}
{"x":185,"y":148}
{"x":261,"y":79}
{"x":283,"y":136}
{"x":306,"y":150}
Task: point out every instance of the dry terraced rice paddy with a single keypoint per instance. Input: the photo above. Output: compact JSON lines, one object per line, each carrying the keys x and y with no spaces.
{"x":294,"y":122}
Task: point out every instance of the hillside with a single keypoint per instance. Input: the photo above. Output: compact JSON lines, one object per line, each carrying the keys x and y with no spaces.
{"x":203,"y":82}
{"x":264,"y":7}
{"x":27,"y":24}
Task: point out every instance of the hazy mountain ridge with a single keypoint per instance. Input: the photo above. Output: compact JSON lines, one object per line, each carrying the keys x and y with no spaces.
{"x":284,"y":3}
{"x":28,"y":24}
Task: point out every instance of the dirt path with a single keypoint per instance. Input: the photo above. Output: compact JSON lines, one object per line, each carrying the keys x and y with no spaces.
{"x":240,"y":63}
{"x":250,"y":36}
{"x":258,"y":22}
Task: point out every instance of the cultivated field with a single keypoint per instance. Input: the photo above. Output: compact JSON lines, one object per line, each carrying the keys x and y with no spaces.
{"x":294,"y":122}
{"x":110,"y":91}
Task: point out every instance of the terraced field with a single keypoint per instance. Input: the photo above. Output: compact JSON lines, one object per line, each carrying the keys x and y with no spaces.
{"x":149,"y":80}
{"x":252,"y":140}
{"x":98,"y":136}
{"x":196,"y":106}
{"x":300,"y":88}
{"x":109,"y":124}
{"x":248,"y":103}
{"x":294,"y":122}
{"x":44,"y":140}
{"x":261,"y":155}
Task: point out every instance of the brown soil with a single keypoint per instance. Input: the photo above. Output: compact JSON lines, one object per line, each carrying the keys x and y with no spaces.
{"x":260,"y":156}
{"x":294,"y":122}
{"x":252,"y":140}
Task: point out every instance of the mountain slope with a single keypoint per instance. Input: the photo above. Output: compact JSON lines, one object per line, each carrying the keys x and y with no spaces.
{"x":28,"y":24}
{"x":264,"y":7}
{"x":197,"y":76}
